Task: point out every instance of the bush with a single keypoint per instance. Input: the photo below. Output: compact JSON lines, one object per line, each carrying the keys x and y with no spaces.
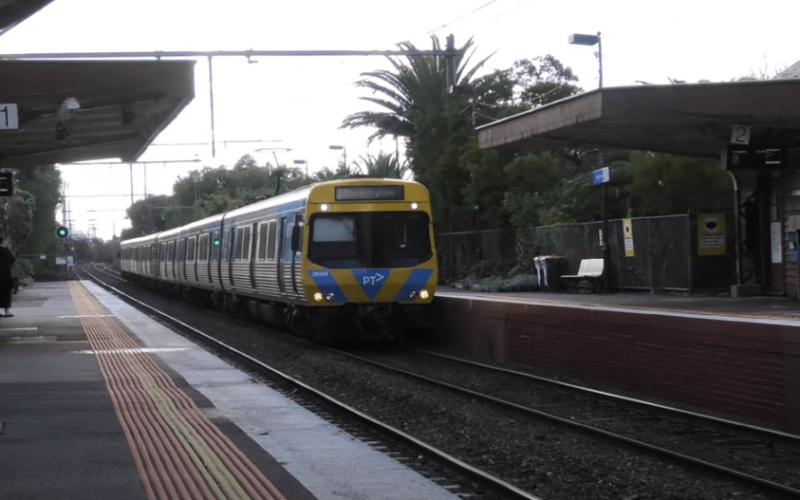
{"x":23,"y":268}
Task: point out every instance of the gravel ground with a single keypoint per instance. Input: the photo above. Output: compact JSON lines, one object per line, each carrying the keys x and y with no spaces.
{"x":762,"y":455}
{"x":542,"y":458}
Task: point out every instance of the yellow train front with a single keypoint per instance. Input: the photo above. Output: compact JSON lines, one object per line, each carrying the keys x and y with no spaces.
{"x":368,"y":258}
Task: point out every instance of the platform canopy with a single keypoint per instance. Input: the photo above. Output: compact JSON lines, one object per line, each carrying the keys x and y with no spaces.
{"x":13,"y":12}
{"x":691,"y":119}
{"x":84,"y":110}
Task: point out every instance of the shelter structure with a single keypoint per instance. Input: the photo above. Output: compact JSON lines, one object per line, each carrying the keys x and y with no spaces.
{"x":752,"y":127}
{"x":59,"y":111}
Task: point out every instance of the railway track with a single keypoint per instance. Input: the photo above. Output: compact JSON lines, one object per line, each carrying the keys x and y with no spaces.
{"x":748,"y":453}
{"x":452,"y":473}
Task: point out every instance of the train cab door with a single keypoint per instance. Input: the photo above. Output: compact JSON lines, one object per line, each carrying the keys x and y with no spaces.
{"x":295,"y":243}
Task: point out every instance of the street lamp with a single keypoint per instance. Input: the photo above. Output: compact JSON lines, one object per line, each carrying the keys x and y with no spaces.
{"x":344,"y":150}
{"x":605,"y":249}
{"x":302,"y":162}
{"x":590,"y":40}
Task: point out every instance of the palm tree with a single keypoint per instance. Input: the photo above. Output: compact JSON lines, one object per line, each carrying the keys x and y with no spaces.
{"x":384,"y":166}
{"x":342,"y":172}
{"x":418,"y":83}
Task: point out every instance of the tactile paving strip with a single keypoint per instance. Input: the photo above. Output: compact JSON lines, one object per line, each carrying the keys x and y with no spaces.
{"x":178,"y":452}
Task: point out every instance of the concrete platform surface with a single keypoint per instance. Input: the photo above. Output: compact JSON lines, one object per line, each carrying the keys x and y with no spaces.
{"x":61,"y":438}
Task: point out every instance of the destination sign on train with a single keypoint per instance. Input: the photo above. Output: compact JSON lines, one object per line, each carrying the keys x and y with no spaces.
{"x":345,"y":193}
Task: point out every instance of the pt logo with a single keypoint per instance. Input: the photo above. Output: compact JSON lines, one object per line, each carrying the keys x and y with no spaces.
{"x":371,"y":280}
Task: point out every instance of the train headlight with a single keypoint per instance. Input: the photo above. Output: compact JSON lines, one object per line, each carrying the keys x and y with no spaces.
{"x":414,"y":206}
{"x":412,"y":294}
{"x":424,"y":294}
{"x":317,"y":296}
{"x":324,"y":207}
{"x":329,"y":296}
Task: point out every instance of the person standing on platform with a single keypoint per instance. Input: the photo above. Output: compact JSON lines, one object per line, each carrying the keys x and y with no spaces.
{"x":7,"y":259}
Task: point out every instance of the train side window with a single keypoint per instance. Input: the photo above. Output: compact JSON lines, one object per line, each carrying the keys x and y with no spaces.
{"x":171,"y":251}
{"x":238,"y":254}
{"x":271,"y":245}
{"x":190,"y":249}
{"x":230,"y":248}
{"x":162,"y":252}
{"x":203,"y":246}
{"x":263,"y":230}
{"x":246,"y":245}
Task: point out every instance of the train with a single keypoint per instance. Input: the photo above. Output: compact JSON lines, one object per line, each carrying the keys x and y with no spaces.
{"x":336,"y":259}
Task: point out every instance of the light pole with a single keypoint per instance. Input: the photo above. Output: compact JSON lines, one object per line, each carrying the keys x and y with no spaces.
{"x":344,"y":151}
{"x":605,"y":248}
{"x":302,"y":162}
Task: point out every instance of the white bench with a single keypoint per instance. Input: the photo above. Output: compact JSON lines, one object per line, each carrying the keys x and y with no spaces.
{"x":591,"y":270}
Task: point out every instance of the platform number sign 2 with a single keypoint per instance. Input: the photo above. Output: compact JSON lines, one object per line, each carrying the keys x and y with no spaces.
{"x":8,"y":117}
{"x":740,"y":135}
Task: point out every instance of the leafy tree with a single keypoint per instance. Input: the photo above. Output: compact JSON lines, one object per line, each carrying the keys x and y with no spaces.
{"x":211,"y":191}
{"x":17,"y":213}
{"x":543,"y":80}
{"x":44,"y":188}
{"x":664,"y":184}
{"x":147,"y":216}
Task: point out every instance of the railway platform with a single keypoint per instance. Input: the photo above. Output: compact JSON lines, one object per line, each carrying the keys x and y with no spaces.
{"x":98,"y":400}
{"x":738,"y":358}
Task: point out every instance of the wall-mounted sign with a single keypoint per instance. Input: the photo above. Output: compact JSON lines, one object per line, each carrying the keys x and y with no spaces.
{"x":627,"y":232}
{"x":601,"y":176}
{"x":8,"y":117}
{"x":711,"y":234}
{"x":740,"y":135}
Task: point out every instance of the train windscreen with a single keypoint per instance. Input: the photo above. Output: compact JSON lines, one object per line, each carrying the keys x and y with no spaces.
{"x":374,"y":239}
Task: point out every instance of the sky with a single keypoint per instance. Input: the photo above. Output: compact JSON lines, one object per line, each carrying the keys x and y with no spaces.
{"x":299,"y":103}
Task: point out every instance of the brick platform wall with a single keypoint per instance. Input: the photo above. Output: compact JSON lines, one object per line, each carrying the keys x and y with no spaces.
{"x":734,"y":369}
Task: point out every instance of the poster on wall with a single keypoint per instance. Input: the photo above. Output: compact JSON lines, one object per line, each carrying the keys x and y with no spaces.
{"x":627,"y":231}
{"x":776,"y":239}
{"x":711,"y":234}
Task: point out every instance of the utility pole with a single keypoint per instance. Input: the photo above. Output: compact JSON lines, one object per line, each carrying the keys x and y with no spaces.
{"x":130,"y":165}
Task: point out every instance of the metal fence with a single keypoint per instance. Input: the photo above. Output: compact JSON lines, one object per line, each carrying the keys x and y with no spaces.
{"x":665,"y":256}
{"x":461,"y":251}
{"x":665,"y":252}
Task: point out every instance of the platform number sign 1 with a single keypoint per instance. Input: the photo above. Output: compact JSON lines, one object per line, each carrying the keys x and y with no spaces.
{"x":740,"y":135}
{"x":8,"y":117}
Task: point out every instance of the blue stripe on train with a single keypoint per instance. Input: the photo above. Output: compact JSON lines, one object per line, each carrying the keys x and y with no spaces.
{"x":327,"y":284}
{"x":417,"y":279}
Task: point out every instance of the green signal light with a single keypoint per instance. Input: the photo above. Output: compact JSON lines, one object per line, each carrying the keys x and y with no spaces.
{"x":216,"y":243}
{"x":62,"y":232}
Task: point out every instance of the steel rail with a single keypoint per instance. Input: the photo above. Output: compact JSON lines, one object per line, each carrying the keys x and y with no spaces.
{"x":702,"y":416}
{"x":495,"y":483}
{"x":593,"y":430}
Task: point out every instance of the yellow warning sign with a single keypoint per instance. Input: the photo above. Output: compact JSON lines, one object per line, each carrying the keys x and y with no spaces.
{"x":627,"y":232}
{"x":711,"y":234}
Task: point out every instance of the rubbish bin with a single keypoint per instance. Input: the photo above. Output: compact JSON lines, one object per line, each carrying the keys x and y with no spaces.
{"x":537,"y":261}
{"x":553,"y":267}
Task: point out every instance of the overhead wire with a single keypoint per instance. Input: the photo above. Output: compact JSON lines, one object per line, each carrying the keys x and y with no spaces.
{"x":462,"y":17}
